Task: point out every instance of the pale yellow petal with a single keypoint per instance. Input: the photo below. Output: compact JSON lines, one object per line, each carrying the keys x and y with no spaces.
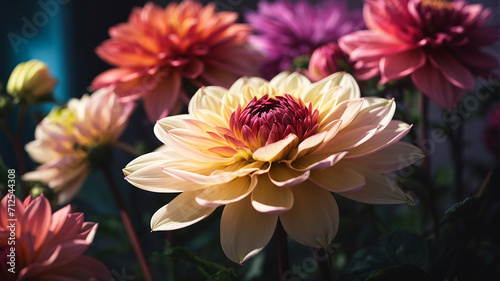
{"x":288,"y":83}
{"x":276,"y":151}
{"x":244,"y":232}
{"x":345,"y":111}
{"x":222,"y":194}
{"x":306,"y":145}
{"x":338,"y":178}
{"x":346,"y":141}
{"x":395,"y":157}
{"x":322,"y":91}
{"x":208,"y":98}
{"x":314,"y":218}
{"x":348,"y":88}
{"x":271,"y":199}
{"x":282,"y":175}
{"x":182,"y":211}
{"x":375,"y":111}
{"x":394,"y":131}
{"x":317,"y":161}
{"x":378,"y":189}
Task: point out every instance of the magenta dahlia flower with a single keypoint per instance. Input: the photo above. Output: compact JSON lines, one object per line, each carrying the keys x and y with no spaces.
{"x":437,"y":43}
{"x":287,"y":30}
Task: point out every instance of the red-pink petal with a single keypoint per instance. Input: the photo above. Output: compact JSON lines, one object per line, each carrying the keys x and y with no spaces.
{"x":433,"y":84}
{"x":401,"y":64}
{"x":452,"y":69}
{"x":160,"y":101}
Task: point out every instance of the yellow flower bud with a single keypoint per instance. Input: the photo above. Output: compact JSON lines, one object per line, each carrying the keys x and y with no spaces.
{"x":30,"y":81}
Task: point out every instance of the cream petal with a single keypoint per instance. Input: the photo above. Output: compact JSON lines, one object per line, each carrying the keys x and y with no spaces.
{"x":181,"y":212}
{"x":307,"y":145}
{"x":314,"y":218}
{"x":289,"y":82}
{"x":282,"y":175}
{"x":317,"y":161}
{"x":145,"y":160}
{"x":378,"y":189}
{"x":395,"y":157}
{"x":345,"y":111}
{"x":189,"y":152}
{"x":277,"y":150}
{"x":208,"y":98}
{"x":394,"y":131}
{"x":375,"y":111}
{"x":320,"y":92}
{"x":173,"y":122}
{"x":244,"y":232}
{"x":348,"y":88}
{"x":221,"y":194}
{"x":346,"y":141}
{"x":271,"y":199}
{"x":338,"y":178}
{"x":153,"y":178}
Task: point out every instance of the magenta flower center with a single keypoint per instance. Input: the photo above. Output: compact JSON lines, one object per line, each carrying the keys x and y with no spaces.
{"x":267,"y":120}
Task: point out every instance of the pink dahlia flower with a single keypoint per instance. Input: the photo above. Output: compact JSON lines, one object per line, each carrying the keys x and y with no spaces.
{"x":159,"y":48}
{"x":287,"y":30}
{"x":275,"y":150}
{"x":71,"y":140}
{"x":47,"y":246}
{"x":437,"y":43}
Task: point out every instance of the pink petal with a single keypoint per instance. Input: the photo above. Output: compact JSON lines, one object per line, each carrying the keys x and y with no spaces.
{"x":38,"y":219}
{"x":401,"y":64}
{"x":160,"y":101}
{"x":453,"y":70}
{"x":433,"y":84}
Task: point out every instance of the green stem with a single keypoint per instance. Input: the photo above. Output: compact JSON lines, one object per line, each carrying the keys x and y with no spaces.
{"x":128,"y":224}
{"x":424,"y":102}
{"x":325,"y":265}
{"x":283,"y":261}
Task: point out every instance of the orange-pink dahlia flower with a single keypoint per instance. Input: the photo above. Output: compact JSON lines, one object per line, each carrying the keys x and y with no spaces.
{"x":47,"y":246}
{"x":159,"y":48}
{"x":274,"y":150}
{"x":72,"y":139}
{"x":437,"y":43}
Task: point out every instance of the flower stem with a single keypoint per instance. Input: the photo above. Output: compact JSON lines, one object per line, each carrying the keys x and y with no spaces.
{"x":128,"y":148}
{"x":325,"y":265}
{"x":424,"y":103}
{"x":456,"y":143}
{"x":283,"y":261}
{"x":128,"y":224}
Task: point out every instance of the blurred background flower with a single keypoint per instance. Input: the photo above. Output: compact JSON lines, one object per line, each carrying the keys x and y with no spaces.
{"x":31,"y":82}
{"x":439,"y":44}
{"x":73,"y":139}
{"x":288,"y":30}
{"x":275,"y":150}
{"x":326,"y":60}
{"x":158,"y":49}
{"x":49,"y":246}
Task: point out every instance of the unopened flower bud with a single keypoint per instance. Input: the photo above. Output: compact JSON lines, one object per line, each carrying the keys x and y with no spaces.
{"x":326,"y":60}
{"x":31,"y":81}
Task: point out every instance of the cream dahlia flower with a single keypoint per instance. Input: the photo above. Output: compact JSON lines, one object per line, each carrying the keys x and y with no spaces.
{"x":274,"y":150}
{"x":70,"y":140}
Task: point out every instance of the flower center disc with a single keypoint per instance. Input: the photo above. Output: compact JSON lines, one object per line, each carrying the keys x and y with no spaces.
{"x":267,"y":120}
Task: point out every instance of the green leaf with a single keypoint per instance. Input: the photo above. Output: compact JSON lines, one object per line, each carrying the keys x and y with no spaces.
{"x":464,"y":209}
{"x":396,"y":248}
{"x":213,"y":271}
{"x":407,"y":272}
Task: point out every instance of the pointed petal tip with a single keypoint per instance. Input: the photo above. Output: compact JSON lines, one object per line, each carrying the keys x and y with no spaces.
{"x":409,"y":200}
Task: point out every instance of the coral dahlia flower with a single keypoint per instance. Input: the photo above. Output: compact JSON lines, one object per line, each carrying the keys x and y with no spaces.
{"x":289,"y":29}
{"x":274,"y":150}
{"x":437,"y":43}
{"x":158,"y":48}
{"x":69,"y":141}
{"x":47,"y":246}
